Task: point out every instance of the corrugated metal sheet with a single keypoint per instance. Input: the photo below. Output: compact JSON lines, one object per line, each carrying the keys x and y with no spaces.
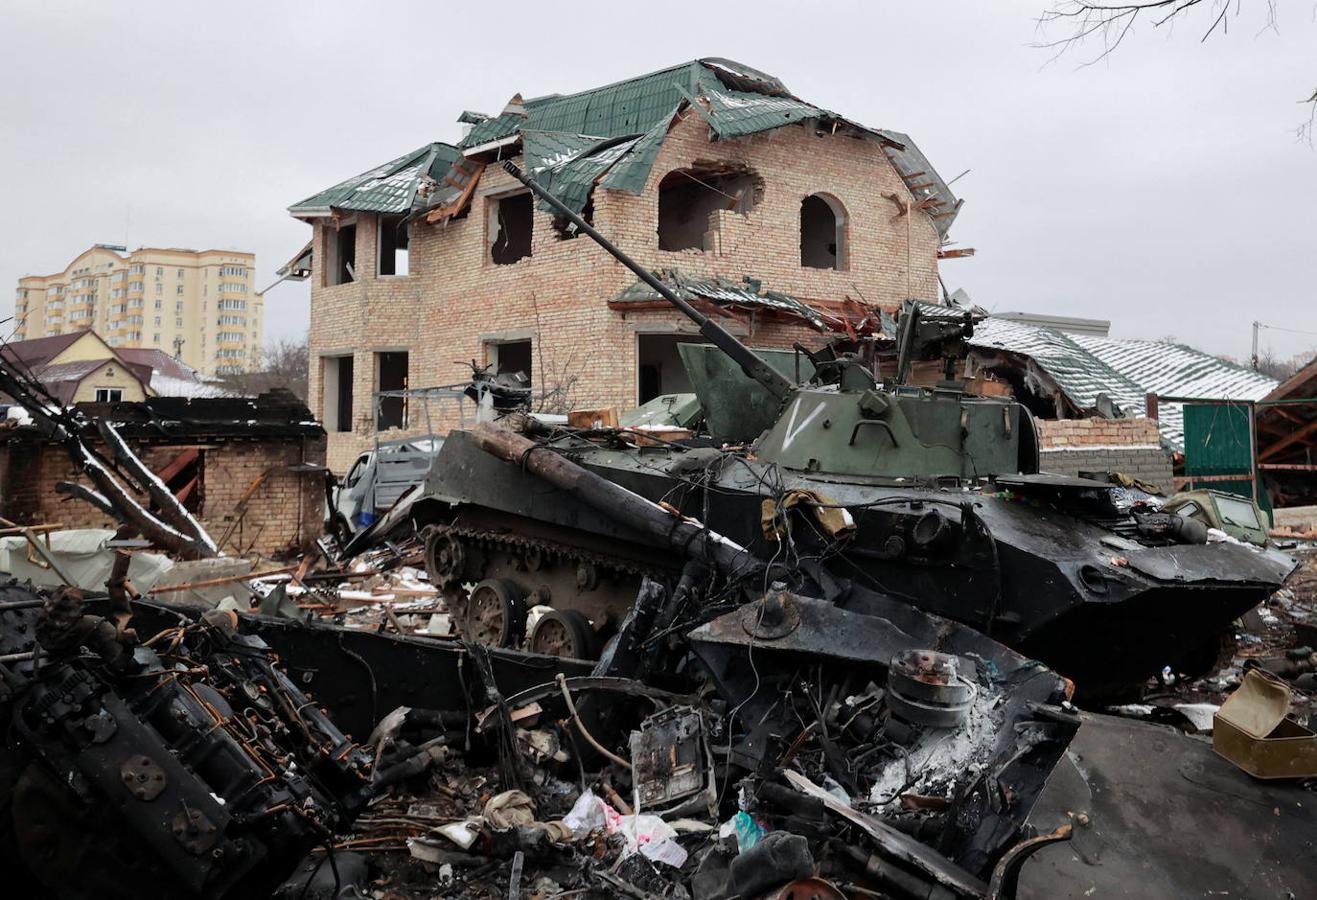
{"x":1125,"y":370}
{"x":626,"y":107}
{"x":1217,"y":440}
{"x":495,"y":128}
{"x":734,"y":114}
{"x":388,"y":188}
{"x":741,"y":101}
{"x":568,"y":165}
{"x":747,"y":293}
{"x":632,"y":171}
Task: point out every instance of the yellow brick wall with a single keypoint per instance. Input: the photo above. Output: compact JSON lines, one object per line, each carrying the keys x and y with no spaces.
{"x":286,"y":511}
{"x":456,"y":299}
{"x":1074,"y":433}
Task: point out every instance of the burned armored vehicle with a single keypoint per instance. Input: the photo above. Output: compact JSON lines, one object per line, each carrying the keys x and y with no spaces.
{"x":932,"y":496}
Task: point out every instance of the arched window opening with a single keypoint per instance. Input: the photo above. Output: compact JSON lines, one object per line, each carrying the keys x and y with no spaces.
{"x":689,"y":200}
{"x":822,"y":232}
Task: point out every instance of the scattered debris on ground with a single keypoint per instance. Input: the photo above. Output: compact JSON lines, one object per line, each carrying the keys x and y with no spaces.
{"x":581,"y":660}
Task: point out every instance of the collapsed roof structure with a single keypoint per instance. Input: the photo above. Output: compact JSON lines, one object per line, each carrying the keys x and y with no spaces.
{"x":608,"y":137}
{"x":1078,"y":375}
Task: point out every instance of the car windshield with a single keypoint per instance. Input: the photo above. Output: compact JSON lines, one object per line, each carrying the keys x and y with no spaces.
{"x":1237,"y":512}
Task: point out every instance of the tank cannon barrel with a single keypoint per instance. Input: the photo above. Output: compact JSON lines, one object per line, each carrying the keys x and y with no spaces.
{"x":743,"y":356}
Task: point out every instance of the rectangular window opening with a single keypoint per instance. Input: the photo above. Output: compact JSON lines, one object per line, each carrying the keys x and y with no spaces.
{"x":336,"y":398}
{"x":391,"y":375}
{"x":342,"y":262}
{"x":511,"y":357}
{"x":511,"y":227}
{"x":659,"y":369}
{"x":109,"y":395}
{"x":394,"y":243}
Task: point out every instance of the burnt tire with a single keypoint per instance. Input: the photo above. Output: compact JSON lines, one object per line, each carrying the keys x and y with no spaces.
{"x":564,"y":632}
{"x":495,"y":613}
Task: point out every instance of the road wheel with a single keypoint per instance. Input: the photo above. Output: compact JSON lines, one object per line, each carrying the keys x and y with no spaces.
{"x":494,"y":613}
{"x":563,"y":632}
{"x":445,"y":556}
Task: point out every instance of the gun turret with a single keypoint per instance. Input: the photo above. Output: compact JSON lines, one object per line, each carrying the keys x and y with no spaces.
{"x":743,"y":356}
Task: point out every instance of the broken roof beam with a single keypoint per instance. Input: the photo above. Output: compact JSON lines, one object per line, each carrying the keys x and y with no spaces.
{"x":1295,"y":437}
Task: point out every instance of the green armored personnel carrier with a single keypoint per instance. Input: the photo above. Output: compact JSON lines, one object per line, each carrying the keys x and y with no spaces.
{"x":927,"y":494}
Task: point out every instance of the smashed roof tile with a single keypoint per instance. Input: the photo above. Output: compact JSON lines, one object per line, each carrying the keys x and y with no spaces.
{"x":389,"y":188}
{"x":746,"y":294}
{"x":736,"y":100}
{"x":1126,"y":371}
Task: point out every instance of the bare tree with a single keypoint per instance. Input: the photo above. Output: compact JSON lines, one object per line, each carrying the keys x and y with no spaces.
{"x":1108,"y":24}
{"x":284,"y":363}
{"x":557,"y":380}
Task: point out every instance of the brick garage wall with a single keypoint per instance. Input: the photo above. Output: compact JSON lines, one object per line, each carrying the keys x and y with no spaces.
{"x":455,"y":300}
{"x":1130,"y":446}
{"x":286,"y":511}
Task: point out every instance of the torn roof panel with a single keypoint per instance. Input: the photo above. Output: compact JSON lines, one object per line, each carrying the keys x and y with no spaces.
{"x":389,"y":188}
{"x":632,"y":170}
{"x":922,"y":180}
{"x":741,"y":101}
{"x":1083,"y":366}
{"x":625,"y":107}
{"x":569,"y":169}
{"x":747,"y":294}
{"x":734,"y":114}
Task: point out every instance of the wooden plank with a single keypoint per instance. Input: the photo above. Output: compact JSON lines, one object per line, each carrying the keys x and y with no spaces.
{"x":1293,"y":438}
{"x":216,"y":582}
{"x":960,"y":253}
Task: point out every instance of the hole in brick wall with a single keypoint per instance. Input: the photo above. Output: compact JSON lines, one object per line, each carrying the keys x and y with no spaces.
{"x":822,"y":232}
{"x":391,"y":375}
{"x":393,"y":246}
{"x":511,"y":227}
{"x":565,"y":230}
{"x":689,"y":198}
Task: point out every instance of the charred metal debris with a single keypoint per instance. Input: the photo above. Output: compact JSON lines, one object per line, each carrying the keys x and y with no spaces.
{"x":818,"y":636}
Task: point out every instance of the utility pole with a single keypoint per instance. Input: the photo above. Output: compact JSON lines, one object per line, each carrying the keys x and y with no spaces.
{"x":1256,"y":327}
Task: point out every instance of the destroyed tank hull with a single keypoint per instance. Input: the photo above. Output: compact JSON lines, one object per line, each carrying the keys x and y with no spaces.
{"x":929,"y":496}
{"x":1044,"y":564}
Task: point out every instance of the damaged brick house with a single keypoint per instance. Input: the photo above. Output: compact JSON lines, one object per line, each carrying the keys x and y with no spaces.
{"x":249,"y":468}
{"x":778,"y":215}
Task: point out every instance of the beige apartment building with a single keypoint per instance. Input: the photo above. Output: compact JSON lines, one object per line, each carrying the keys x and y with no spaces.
{"x":200,"y":307}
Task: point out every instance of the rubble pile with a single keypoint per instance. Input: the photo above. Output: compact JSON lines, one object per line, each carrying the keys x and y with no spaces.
{"x":654,"y":775}
{"x":871,"y":653}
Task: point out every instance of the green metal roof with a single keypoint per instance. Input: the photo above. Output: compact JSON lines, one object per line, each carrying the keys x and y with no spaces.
{"x":388,"y":188}
{"x":748,"y":293}
{"x":734,"y":114}
{"x":610,"y":136}
{"x":569,"y":165}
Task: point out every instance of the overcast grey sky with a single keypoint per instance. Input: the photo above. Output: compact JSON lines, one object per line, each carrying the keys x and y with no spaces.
{"x":1162,"y":189}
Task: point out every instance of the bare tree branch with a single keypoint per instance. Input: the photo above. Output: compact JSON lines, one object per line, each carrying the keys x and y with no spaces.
{"x":1111,"y":23}
{"x":283,"y":364}
{"x":170,"y":511}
